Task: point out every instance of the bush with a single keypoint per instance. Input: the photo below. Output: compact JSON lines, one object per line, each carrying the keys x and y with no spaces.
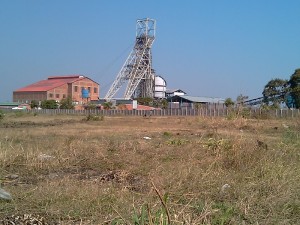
{"x":167,"y":134}
{"x":66,"y":103}
{"x":90,"y":106}
{"x":229,"y":103}
{"x":91,"y":117}
{"x":19,"y":113}
{"x":49,"y":104}
{"x":34,"y":104}
{"x":1,"y":115}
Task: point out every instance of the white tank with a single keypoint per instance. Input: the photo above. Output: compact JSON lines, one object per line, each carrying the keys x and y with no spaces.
{"x":160,"y":87}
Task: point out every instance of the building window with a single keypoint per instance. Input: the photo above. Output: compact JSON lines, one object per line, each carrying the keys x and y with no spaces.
{"x":89,"y":88}
{"x":95,"y":90}
{"x":75,"y":88}
{"x":64,"y":96}
{"x":50,"y":95}
{"x":57,"y":95}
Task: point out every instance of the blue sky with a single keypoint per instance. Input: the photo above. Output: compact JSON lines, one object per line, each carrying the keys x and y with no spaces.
{"x":205,"y":47}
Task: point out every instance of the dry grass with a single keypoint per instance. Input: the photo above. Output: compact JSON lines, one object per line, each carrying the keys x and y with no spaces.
{"x":75,"y":171}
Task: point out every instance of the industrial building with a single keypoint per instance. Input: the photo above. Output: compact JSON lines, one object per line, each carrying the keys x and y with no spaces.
{"x":137,"y":70}
{"x":174,"y":92}
{"x":80,"y":88}
{"x":186,"y":101}
{"x":137,"y":73}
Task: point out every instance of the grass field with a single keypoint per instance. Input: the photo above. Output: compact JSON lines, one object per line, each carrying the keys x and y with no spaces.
{"x":191,"y":170}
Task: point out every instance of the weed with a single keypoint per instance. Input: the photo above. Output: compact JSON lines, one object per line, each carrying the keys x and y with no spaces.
{"x":224,"y":213}
{"x":147,"y":215}
{"x":245,"y":113}
{"x":231,"y":115}
{"x":167,"y":134}
{"x":91,"y":117}
{"x":198,"y":207}
{"x":113,"y":146}
{"x":217,"y":145}
{"x":2,"y":115}
{"x":291,"y":136}
{"x":19,"y":113}
{"x":177,"y":142}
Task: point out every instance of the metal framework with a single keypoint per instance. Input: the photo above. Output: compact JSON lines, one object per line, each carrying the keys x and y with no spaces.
{"x":137,"y":69}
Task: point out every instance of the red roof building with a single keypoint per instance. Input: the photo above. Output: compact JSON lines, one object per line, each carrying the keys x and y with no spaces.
{"x":78,"y":87}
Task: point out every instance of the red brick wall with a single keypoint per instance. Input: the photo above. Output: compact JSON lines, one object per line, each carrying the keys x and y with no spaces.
{"x":70,"y":90}
{"x":85,"y":83}
{"x":61,"y":92}
{"x":27,"y":97}
{"x":58,"y":93}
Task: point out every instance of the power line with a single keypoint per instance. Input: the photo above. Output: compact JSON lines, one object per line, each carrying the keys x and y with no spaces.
{"x":105,"y":70}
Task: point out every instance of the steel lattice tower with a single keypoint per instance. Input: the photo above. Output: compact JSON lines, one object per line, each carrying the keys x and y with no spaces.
{"x":137,"y":69}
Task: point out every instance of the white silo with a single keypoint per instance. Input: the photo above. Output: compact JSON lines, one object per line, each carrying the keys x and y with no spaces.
{"x":160,"y":87}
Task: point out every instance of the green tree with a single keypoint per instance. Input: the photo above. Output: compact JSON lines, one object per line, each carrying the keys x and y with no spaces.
{"x":145,"y":101}
{"x":274,"y":92}
{"x":107,"y":105}
{"x":66,"y":103}
{"x":228,"y":102}
{"x":294,"y":83}
{"x":49,"y":104}
{"x":159,"y":103}
{"x":242,"y":110}
{"x":34,"y":104}
{"x":164,"y":104}
{"x":90,"y":105}
{"x":197,"y":105}
{"x":241,"y":99}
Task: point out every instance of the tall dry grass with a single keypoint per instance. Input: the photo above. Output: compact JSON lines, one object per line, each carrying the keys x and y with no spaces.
{"x":195,"y":170}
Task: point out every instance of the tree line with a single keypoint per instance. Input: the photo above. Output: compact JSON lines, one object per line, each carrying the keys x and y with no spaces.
{"x":277,"y":92}
{"x":65,"y":103}
{"x":281,"y":91}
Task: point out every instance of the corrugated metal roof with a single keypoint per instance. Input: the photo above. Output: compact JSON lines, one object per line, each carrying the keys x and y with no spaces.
{"x":9,"y":103}
{"x":169,"y":91}
{"x":200,"y":99}
{"x":50,"y":83}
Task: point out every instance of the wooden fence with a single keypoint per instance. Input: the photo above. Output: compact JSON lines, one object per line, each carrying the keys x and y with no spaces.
{"x":249,"y":113}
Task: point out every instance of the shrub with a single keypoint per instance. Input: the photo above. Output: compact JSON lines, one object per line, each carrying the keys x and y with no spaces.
{"x":1,"y":115}
{"x":19,"y":113}
{"x":34,"y":104}
{"x":49,"y":104}
{"x":90,"y":106}
{"x":66,"y":103}
{"x":224,"y":213}
{"x":229,"y":103}
{"x":91,"y":117}
{"x":167,"y":134}
{"x":177,"y":142}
